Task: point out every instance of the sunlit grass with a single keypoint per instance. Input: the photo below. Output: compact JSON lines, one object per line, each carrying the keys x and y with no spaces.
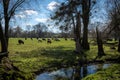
{"x":33,"y":56}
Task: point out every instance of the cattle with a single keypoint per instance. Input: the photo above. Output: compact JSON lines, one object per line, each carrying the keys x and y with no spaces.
{"x":25,"y":38}
{"x":112,"y":48}
{"x":66,"y":39}
{"x":49,"y":41}
{"x":20,"y":42}
{"x":43,"y":39}
{"x":31,"y":38}
{"x":39,"y":40}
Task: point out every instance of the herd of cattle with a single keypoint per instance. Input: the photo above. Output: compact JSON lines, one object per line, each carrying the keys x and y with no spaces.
{"x":48,"y":40}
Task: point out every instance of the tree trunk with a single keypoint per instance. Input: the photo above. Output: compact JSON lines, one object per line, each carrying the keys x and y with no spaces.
{"x":7,"y":19}
{"x":85,"y":9}
{"x":100,"y":44}
{"x":78,"y":34}
{"x":6,"y":31}
{"x":119,"y":45}
{"x":85,"y":43}
{"x":3,"y":44}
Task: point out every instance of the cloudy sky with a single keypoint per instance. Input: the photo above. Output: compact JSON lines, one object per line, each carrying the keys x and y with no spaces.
{"x":40,"y":12}
{"x":37,"y":12}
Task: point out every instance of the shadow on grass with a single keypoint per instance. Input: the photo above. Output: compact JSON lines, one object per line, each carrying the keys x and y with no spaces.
{"x":51,"y":58}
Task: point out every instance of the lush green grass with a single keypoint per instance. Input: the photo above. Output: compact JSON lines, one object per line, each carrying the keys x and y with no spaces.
{"x":111,"y":73}
{"x":33,"y":56}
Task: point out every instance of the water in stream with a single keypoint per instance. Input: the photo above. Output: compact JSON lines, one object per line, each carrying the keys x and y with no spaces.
{"x":71,"y":73}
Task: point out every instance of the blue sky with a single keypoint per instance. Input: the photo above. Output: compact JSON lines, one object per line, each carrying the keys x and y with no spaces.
{"x":36,"y":12}
{"x":40,"y":12}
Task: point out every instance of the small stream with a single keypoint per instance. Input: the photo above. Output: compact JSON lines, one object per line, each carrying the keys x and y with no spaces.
{"x":71,"y":72}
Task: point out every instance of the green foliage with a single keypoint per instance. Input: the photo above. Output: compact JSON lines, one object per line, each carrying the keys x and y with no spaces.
{"x":10,"y":72}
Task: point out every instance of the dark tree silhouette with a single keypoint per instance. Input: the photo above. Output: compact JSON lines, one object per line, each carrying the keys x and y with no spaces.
{"x":8,"y":11}
{"x":99,"y":43}
{"x":86,"y":8}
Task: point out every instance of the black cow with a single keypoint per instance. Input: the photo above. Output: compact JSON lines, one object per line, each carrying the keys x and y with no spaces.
{"x":49,"y":41}
{"x":66,"y":39}
{"x":43,"y":39}
{"x":112,"y":47}
{"x":20,"y":42}
{"x":39,"y":40}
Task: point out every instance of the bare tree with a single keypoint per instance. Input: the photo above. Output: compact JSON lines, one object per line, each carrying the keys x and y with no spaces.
{"x":114,"y":16}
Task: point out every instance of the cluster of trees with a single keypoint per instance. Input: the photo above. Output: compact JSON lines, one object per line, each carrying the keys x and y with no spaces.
{"x":38,"y":30}
{"x":76,"y":14}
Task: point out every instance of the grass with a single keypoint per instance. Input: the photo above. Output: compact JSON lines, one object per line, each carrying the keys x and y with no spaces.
{"x":34,"y":56}
{"x":111,"y":73}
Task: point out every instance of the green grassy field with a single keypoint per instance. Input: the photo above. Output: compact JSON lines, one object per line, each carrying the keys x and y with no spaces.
{"x":34,"y":56}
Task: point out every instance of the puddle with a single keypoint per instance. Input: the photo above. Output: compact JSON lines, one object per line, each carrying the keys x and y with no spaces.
{"x":71,"y":72}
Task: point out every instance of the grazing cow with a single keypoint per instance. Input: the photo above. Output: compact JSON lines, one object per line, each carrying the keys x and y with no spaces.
{"x":43,"y":39}
{"x":49,"y":41}
{"x":112,"y":47}
{"x":25,"y":38}
{"x":66,"y":39}
{"x":31,"y":38}
{"x":39,"y":40}
{"x":20,"y":42}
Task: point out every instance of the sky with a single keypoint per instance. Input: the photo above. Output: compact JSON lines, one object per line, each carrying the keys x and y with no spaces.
{"x":40,"y":12}
{"x":37,"y":12}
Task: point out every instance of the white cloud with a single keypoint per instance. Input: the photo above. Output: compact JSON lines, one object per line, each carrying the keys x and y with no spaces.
{"x":41,"y":19}
{"x":52,"y":5}
{"x":30,"y":12}
{"x":26,"y":13}
{"x":20,"y":16}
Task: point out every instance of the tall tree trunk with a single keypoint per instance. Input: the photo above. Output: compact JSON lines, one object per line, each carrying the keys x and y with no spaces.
{"x":119,"y":45}
{"x":85,"y":43}
{"x":7,"y":19}
{"x":78,"y":34}
{"x":85,"y":9}
{"x":3,"y":44}
{"x":6,"y":32}
{"x":100,"y":44}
